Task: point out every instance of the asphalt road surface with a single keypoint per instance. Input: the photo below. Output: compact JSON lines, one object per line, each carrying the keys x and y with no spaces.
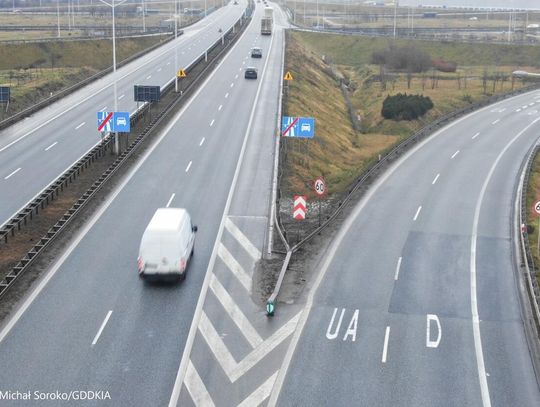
{"x":34,"y":152}
{"x":416,"y":303}
{"x":92,"y":324}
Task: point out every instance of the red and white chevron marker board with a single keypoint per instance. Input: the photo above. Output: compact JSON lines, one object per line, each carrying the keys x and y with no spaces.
{"x":300,"y":207}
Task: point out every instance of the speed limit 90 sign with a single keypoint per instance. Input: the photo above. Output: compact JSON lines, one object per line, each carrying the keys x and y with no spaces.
{"x":319,"y":186}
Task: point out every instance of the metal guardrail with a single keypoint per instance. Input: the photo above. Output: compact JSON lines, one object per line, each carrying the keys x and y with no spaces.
{"x":385,"y":159}
{"x":27,"y":213}
{"x":65,"y":92}
{"x":528,"y":260}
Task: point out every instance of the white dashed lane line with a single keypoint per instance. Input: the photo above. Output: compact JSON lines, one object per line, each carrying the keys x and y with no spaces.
{"x":80,"y":125}
{"x":188,"y":166}
{"x":170,"y":200}
{"x":149,"y":76}
{"x":220,"y":107}
{"x":96,"y":338}
{"x":159,"y":70}
{"x":435,"y":179}
{"x":385,"y":345}
{"x":454,"y":155}
{"x":476,"y":135}
{"x":417,"y":213}
{"x":13,"y":173}
{"x":226,"y":95}
{"x":496,"y":121}
{"x":212,"y":122}
{"x":103,"y":108}
{"x":236,"y":77}
{"x":232,"y":84}
{"x":398,"y":267}
{"x":121,"y":97}
{"x":51,"y":146}
{"x":202,"y":142}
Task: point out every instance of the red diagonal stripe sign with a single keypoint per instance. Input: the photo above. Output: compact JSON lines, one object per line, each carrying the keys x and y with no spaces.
{"x":104,"y":122}
{"x":299,"y":211}
{"x":290,"y":126}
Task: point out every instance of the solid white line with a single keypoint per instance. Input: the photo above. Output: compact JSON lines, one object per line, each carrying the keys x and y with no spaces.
{"x":220,"y":107}
{"x":417,"y":212}
{"x":202,"y":141}
{"x":398,"y":267}
{"x":170,"y":200}
{"x":51,"y":146}
{"x":242,"y":239}
{"x":188,"y":166}
{"x":496,"y":121}
{"x":226,"y":95}
{"x":476,"y":135}
{"x":149,"y":76}
{"x":385,"y":346}
{"x":212,"y":123}
{"x":13,"y":173}
{"x":474,"y":302}
{"x":80,"y":125}
{"x":121,"y":96}
{"x":102,"y":327}
{"x":454,"y":155}
{"x":196,"y":388}
{"x":435,"y":179}
{"x":234,"y":311}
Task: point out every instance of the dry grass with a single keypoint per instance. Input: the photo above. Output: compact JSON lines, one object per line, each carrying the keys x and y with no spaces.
{"x":533,"y":195}
{"x":338,"y":152}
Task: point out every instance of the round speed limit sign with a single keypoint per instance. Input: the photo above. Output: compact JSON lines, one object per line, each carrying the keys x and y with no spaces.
{"x":536,"y":208}
{"x":319,"y":186}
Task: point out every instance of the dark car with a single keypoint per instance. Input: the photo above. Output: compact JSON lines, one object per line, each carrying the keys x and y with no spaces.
{"x":250,"y":73}
{"x":256,"y":52}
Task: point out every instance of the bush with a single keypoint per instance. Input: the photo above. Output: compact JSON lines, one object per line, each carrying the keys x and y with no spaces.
{"x":444,"y":66}
{"x":405,"y":107}
{"x":408,"y":58}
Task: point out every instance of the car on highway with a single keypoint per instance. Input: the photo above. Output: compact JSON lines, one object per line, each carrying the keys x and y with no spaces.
{"x":250,"y":73}
{"x":167,"y":245}
{"x":256,"y":52}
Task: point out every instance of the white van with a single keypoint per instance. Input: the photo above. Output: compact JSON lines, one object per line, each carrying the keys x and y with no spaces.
{"x":167,"y":245}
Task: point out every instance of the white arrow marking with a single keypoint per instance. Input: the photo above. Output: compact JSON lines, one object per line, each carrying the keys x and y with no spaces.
{"x":236,"y":314}
{"x":429,"y":342}
{"x":242,"y":239}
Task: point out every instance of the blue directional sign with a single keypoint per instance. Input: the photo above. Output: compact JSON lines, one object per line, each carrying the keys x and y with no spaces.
{"x":4,"y":93}
{"x":113,"y":121}
{"x":121,"y":122}
{"x":299,"y":127}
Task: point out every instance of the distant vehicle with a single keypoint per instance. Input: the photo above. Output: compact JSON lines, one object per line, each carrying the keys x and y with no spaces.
{"x":533,"y":26}
{"x":267,"y":21}
{"x":250,"y":73}
{"x":256,"y":52}
{"x":167,"y":245}
{"x":305,"y":127}
{"x":235,"y":2}
{"x":121,"y":121}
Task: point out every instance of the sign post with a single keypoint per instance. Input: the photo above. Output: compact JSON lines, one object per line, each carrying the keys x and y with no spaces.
{"x":319,"y":186}
{"x":536,"y":210}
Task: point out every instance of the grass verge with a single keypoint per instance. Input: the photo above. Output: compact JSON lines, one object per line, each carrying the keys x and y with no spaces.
{"x":533,"y":195}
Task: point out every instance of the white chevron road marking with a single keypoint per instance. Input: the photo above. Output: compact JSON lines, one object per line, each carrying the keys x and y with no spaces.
{"x":234,"y":266}
{"x":196,"y":388}
{"x":260,"y":394}
{"x":235,"y":370}
{"x":242,"y":239}
{"x":236,"y":314}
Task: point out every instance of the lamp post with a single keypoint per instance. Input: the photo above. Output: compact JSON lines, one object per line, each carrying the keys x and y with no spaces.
{"x":175,"y":46}
{"x":143,"y":17}
{"x":113,"y":6}
{"x":58,"y":16}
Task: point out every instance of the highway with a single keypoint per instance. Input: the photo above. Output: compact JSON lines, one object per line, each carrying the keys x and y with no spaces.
{"x":91,"y":323}
{"x":35,"y":151}
{"x":416,"y":301}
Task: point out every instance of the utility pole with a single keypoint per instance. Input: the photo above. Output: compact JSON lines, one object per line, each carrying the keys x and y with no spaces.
{"x":395,"y":13}
{"x":58,"y":16}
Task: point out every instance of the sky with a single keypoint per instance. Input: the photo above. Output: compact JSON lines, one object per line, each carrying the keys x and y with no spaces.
{"x":522,"y":4}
